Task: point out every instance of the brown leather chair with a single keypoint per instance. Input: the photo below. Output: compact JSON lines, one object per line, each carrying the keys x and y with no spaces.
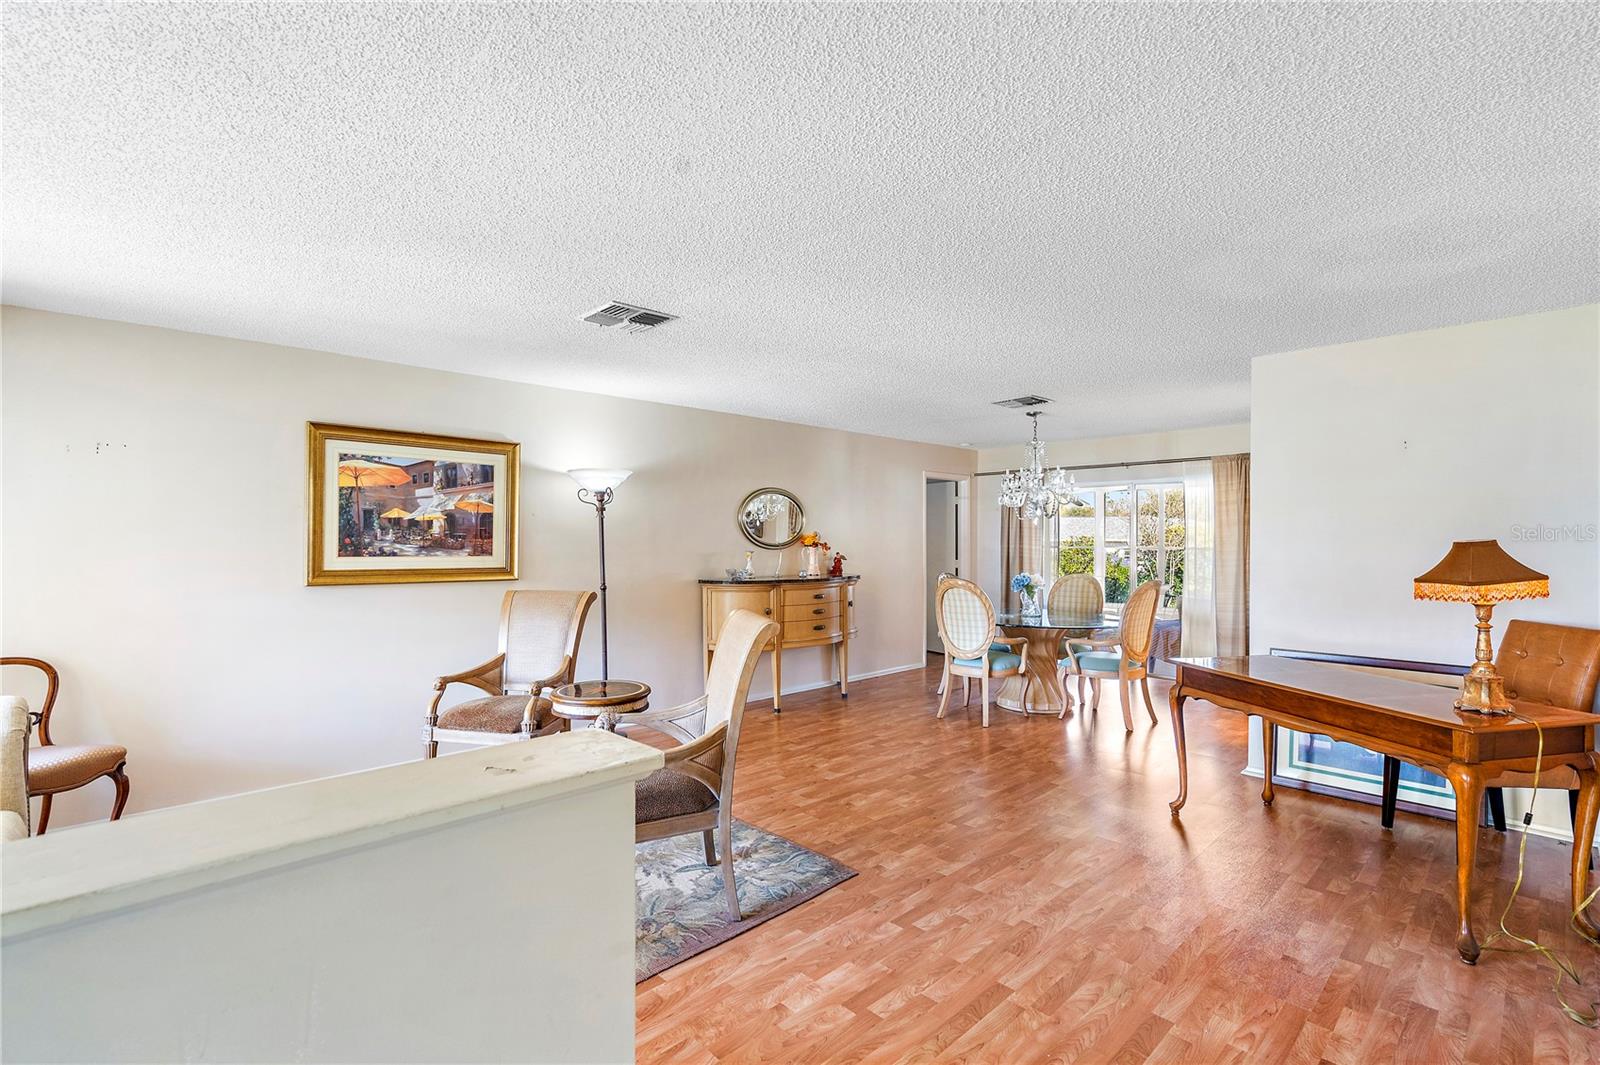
{"x":57,"y":767}
{"x":1544,"y":664}
{"x":1550,"y":665}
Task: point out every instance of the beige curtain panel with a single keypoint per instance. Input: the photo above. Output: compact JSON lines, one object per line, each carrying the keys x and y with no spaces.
{"x":1230,"y":477}
{"x":1021,"y":551}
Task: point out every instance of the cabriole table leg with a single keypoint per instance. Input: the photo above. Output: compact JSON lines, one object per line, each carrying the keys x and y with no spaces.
{"x":1176,"y":700}
{"x":1468,"y":785}
{"x":1583,"y":826}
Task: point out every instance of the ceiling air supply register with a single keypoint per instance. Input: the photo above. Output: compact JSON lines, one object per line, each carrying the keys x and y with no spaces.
{"x":631,"y":318}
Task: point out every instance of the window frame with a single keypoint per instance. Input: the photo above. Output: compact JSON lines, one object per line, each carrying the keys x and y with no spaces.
{"x":1097,"y":496}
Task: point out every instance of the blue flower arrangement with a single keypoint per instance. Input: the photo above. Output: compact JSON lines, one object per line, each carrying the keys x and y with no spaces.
{"x":1023,"y":584}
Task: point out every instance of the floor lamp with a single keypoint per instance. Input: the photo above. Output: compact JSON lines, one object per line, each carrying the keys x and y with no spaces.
{"x":596,"y":487}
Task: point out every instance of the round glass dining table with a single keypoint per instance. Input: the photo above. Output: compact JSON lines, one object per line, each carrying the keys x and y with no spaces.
{"x":1039,"y":689}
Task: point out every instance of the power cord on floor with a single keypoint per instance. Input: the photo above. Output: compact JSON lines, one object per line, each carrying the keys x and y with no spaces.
{"x":1564,"y":969}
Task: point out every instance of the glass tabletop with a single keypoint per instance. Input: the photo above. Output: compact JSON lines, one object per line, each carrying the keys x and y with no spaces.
{"x":1012,"y":619}
{"x":601,"y":691}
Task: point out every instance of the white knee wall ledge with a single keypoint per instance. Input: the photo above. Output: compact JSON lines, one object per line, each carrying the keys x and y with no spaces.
{"x":476,"y":907}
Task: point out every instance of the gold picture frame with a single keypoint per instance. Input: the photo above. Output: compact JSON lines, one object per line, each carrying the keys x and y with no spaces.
{"x":406,"y":508}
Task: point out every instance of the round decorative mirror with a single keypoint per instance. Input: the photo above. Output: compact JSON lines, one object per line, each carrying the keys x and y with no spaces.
{"x":771,"y":518}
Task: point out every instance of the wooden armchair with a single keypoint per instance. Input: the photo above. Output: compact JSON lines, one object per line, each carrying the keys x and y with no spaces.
{"x":1127,"y":660}
{"x":693,"y":792}
{"x":57,"y":767}
{"x":972,"y":651}
{"x":539,"y":634}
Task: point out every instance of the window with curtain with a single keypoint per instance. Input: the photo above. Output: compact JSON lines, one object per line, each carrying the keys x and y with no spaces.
{"x":1125,"y":535}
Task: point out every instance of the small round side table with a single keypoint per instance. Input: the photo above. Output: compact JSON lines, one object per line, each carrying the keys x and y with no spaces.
{"x":600,"y":701}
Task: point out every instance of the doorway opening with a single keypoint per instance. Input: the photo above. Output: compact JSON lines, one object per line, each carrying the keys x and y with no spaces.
{"x":946,"y":544}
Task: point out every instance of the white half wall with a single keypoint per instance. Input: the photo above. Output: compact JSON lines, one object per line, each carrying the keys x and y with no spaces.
{"x":154,"y":547}
{"x":1368,"y":459}
{"x":476,"y":908}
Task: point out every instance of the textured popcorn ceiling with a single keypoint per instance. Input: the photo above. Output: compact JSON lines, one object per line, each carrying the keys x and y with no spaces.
{"x":874,"y":217}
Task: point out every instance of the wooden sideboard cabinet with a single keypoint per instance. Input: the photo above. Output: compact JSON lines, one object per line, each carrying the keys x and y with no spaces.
{"x":810,"y":611}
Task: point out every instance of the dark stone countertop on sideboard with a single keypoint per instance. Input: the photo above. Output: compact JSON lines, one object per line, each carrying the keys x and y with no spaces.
{"x":779,"y":580}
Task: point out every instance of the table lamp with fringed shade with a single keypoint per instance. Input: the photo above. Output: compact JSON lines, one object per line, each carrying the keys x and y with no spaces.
{"x":1481,"y":573}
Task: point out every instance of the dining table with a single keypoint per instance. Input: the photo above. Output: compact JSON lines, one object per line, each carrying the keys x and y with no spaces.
{"x":1038,"y":689}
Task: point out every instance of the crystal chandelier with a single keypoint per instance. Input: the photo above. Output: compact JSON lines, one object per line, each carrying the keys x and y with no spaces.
{"x":760,"y":511}
{"x":1034,"y":490}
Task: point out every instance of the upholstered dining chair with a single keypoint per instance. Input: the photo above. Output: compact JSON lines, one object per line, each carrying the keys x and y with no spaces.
{"x":1077,"y":595}
{"x":693,"y":792}
{"x":539,"y":635}
{"x":57,"y":767}
{"x":972,"y":651}
{"x":14,"y":812}
{"x":1126,"y":661}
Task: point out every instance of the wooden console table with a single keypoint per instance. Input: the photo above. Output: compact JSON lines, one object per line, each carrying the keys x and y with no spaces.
{"x":1417,"y":723}
{"x":811,"y":612}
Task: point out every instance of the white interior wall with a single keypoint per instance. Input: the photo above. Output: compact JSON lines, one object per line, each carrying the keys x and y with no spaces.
{"x":986,"y":514}
{"x":1111,"y":450}
{"x":154,"y":546}
{"x":1368,"y":459}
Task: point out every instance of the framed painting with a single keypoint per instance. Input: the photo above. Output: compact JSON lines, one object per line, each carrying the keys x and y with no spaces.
{"x":389,"y":507}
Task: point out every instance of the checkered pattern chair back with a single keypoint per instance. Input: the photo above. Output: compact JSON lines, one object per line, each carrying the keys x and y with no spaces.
{"x":1139,"y":620}
{"x":1077,"y":595}
{"x":966,"y":618}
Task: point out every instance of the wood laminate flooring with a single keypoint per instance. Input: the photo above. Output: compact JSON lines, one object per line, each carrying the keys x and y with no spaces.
{"x":1025,"y":897}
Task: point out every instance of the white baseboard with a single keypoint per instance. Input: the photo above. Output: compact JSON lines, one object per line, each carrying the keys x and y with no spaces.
{"x":1548,"y":832}
{"x":853,"y":678}
{"x":887,"y":672}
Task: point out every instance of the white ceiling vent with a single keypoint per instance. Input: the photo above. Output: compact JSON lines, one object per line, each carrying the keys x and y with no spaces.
{"x":632,"y":319}
{"x":1022,"y":401}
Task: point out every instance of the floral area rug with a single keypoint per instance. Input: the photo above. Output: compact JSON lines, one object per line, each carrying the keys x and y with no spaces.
{"x":679,"y":907}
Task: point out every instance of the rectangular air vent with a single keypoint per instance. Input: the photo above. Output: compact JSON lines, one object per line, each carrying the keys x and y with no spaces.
{"x":632,"y":319}
{"x":1022,"y":401}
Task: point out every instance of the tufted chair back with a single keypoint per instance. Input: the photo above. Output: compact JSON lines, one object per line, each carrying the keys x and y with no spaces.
{"x":1077,"y":595}
{"x":966,"y":617}
{"x":1554,"y":665}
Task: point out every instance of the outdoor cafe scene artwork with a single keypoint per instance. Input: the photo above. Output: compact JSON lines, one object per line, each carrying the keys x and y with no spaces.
{"x":390,"y":506}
